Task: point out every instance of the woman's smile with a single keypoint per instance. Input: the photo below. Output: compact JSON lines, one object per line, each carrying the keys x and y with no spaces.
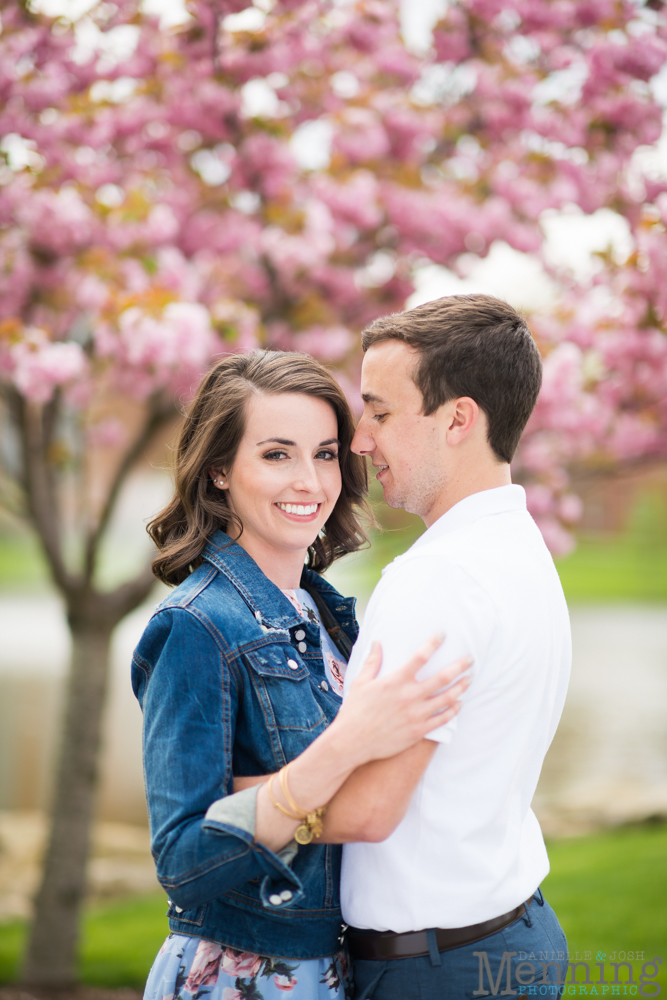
{"x":299,"y":511}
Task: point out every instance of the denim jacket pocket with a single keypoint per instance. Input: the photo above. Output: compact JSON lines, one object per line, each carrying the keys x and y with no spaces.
{"x":285,"y":692}
{"x":279,"y":662}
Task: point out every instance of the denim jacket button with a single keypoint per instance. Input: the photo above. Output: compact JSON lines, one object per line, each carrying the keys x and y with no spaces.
{"x":179,"y":909}
{"x":286,"y":895}
{"x":300,"y":634}
{"x":275,"y":899}
{"x":324,"y":686}
{"x":302,"y":647}
{"x":292,"y":664}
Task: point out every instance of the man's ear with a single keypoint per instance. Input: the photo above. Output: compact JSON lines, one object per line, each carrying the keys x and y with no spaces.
{"x":461,"y":419}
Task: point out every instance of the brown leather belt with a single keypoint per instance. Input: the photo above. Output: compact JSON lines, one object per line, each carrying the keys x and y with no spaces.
{"x":379,"y":946}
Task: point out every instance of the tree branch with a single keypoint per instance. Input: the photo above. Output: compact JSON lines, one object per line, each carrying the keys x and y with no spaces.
{"x":131,"y":594}
{"x":36,"y":423}
{"x":161,"y":412}
{"x":282,"y":301}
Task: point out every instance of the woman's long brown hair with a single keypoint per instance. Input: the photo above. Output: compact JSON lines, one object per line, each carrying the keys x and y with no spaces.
{"x":210,"y":437}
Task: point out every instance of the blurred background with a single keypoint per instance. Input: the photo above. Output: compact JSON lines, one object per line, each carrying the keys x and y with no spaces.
{"x":324,"y":164}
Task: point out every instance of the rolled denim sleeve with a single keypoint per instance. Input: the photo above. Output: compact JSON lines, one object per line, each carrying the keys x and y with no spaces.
{"x":202,"y":835}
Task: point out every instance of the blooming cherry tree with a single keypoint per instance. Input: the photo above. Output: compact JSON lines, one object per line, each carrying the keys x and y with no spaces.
{"x":273,"y":175}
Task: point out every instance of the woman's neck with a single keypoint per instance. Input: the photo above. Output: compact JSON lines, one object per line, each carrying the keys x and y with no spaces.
{"x":282,"y":567}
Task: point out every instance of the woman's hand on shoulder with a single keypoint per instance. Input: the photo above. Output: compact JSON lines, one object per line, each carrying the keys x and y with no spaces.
{"x":386,"y":715}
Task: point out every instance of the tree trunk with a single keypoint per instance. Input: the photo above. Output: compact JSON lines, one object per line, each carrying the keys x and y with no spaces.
{"x":50,"y":958}
{"x":52,"y":947}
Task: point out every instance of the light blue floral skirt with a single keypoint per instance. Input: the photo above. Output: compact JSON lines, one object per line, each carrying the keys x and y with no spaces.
{"x":187,"y":968}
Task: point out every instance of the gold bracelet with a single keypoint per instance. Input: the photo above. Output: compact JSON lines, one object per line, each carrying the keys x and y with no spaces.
{"x":311,"y":822}
{"x":277,"y":804}
{"x":282,"y":777}
{"x":312,"y":826}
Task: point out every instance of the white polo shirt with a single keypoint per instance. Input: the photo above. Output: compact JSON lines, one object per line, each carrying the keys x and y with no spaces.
{"x":469,"y":847}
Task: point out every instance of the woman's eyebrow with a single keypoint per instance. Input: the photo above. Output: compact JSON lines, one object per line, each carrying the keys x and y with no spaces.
{"x":292,"y":444}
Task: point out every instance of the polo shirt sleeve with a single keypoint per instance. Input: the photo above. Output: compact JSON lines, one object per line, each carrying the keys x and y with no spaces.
{"x":420,"y":596}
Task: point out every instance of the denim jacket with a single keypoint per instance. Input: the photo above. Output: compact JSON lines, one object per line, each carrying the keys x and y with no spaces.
{"x":226,"y":689}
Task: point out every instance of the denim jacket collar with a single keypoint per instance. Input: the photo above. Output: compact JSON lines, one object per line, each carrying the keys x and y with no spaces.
{"x":267,"y":602}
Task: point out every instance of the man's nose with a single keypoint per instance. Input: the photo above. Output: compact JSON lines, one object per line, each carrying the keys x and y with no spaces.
{"x":362,"y":442}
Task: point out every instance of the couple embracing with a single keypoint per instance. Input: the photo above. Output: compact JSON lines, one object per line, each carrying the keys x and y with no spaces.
{"x":339,"y":813}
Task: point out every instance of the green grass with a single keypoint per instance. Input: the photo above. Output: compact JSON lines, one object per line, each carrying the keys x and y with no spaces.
{"x":608,"y":890}
{"x":12,"y":940}
{"x":122,"y":940}
{"x":613,"y":569}
{"x":119,"y":942}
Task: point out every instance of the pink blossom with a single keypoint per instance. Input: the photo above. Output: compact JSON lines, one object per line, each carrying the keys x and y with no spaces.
{"x":539,"y":499}
{"x":361,"y":137}
{"x":162,"y":225}
{"x":570,"y":508}
{"x":40,"y":366}
{"x":109,"y":433}
{"x":92,"y":293}
{"x":557,"y":538}
{"x":173,"y":347}
{"x":57,"y":222}
{"x":328,"y":343}
{"x":142,"y":273}
{"x":357,"y":200}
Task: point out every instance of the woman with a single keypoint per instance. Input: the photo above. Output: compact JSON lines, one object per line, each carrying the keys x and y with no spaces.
{"x":239,"y":674}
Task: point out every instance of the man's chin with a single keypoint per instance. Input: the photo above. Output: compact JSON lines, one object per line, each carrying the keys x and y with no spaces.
{"x":391,"y":497}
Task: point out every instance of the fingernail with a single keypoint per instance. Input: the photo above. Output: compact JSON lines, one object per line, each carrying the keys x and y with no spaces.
{"x":469,"y":660}
{"x":439,"y":637}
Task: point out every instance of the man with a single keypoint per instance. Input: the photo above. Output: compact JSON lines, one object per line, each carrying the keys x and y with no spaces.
{"x":449,"y":904}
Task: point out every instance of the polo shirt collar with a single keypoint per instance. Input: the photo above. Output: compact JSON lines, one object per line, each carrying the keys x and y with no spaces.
{"x":496,"y":501}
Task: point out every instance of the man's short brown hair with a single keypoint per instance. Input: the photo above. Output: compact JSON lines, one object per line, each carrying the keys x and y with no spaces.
{"x":471,"y":345}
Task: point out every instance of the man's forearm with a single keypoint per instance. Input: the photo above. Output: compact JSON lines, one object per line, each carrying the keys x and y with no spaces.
{"x":375,"y":798}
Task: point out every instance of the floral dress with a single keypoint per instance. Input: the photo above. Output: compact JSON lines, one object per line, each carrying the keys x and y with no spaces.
{"x":189,"y":968}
